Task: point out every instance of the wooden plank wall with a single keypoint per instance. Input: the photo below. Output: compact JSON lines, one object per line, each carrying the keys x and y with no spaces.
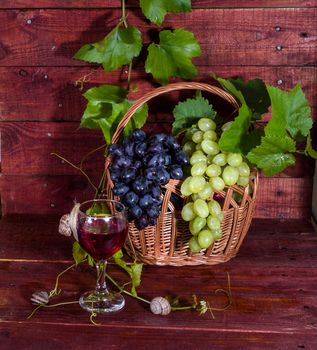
{"x":40,"y":106}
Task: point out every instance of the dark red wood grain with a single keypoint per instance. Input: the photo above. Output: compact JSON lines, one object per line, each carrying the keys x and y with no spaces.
{"x":237,"y":36}
{"x":283,"y":198}
{"x":27,"y":149}
{"x":25,"y":93}
{"x":132,"y":3}
{"x":272,"y":284}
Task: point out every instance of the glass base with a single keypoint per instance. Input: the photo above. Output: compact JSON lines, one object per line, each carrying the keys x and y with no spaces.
{"x":101,"y":302}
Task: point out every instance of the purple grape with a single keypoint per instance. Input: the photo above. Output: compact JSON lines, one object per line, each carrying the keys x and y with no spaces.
{"x":176,"y":172}
{"x":163,"y":176}
{"x":158,"y":137}
{"x":115,"y":150}
{"x":122,"y":162}
{"x":172,"y":143}
{"x":156,"y":160}
{"x":153,"y":212}
{"x":128,"y":174}
{"x":131,"y":199}
{"x":138,"y":135}
{"x":129,"y":149}
{"x":120,"y":189}
{"x":140,"y":185}
{"x":181,"y":158}
{"x":145,"y":201}
{"x":155,"y":148}
{"x":140,"y":149}
{"x":136,"y":212}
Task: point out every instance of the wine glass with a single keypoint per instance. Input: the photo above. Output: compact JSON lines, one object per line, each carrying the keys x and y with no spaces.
{"x":102,"y":228}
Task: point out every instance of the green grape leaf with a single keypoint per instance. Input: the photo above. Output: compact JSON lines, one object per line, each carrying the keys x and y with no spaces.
{"x":290,"y":111}
{"x":230,"y":87}
{"x":173,"y":56}
{"x":309,"y":148}
{"x":272,"y":155}
{"x":118,"y":48}
{"x":134,"y":270}
{"x":231,"y":140}
{"x":189,"y":112}
{"x":255,"y":95}
{"x":252,"y":140}
{"x":79,"y":254}
{"x":138,"y":119}
{"x":118,"y":254}
{"x":155,"y":11}
{"x":106,"y":106}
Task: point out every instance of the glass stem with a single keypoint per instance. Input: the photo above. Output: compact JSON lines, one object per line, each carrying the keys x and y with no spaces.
{"x":101,"y":285}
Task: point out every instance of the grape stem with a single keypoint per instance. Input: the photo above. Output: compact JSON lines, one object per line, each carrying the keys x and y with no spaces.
{"x":50,"y":306}
{"x":121,"y":289}
{"x":75,"y":167}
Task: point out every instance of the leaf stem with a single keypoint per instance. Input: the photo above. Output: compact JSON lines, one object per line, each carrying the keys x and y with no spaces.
{"x":50,"y":306}
{"x":129,"y":75}
{"x":75,"y":167}
{"x":89,"y":154}
{"x":124,"y":13}
{"x":125,"y":291}
{"x":55,"y":290}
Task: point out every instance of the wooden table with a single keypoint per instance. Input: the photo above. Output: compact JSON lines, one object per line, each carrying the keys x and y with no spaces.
{"x":273,"y":284}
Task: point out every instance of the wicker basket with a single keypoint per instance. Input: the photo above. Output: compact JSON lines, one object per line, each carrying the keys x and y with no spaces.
{"x":166,"y":243}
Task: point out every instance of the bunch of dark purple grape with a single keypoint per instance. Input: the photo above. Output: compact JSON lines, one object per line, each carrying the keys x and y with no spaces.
{"x":140,"y":166}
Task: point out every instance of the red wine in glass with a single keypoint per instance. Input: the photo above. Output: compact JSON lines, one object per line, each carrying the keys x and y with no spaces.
{"x":102,"y":237}
{"x":102,"y":228}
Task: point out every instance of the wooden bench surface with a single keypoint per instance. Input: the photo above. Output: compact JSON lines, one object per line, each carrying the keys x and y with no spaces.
{"x":273,"y":283}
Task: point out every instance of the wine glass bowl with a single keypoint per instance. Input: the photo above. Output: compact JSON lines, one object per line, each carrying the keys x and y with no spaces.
{"x":102,"y":228}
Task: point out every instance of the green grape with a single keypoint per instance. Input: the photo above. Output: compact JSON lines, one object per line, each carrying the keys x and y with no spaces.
{"x":189,"y":133}
{"x":212,"y":222}
{"x":196,"y":225}
{"x":217,"y":183}
{"x":210,"y":158}
{"x":200,"y":208}
{"x":197,"y":136}
{"x":205,"y":238}
{"x":198,"y":168}
{"x":205,"y":193}
{"x":244,"y":169}
{"x":205,"y":124}
{"x":234,"y":159}
{"x":194,"y":196}
{"x":198,"y":147}
{"x":189,"y":148}
{"x":217,"y":234}
{"x":196,"y":184}
{"x":213,"y":170}
{"x":210,"y":135}
{"x":197,"y":156}
{"x":243,"y":181}
{"x":185,"y":190}
{"x":220,"y":217}
{"x":226,"y":126}
{"x":220,"y":159}
{"x":214,"y":208}
{"x":194,"y":245}
{"x":230,"y":175}
{"x":188,"y":212}
{"x":210,"y":147}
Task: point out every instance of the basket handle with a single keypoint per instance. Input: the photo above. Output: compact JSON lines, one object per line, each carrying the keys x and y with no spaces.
{"x":168,"y":88}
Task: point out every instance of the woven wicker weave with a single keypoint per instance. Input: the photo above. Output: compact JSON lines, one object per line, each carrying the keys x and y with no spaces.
{"x":166,"y":243}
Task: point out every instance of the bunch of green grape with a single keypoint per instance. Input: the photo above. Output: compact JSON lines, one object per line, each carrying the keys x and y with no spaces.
{"x":211,"y":170}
